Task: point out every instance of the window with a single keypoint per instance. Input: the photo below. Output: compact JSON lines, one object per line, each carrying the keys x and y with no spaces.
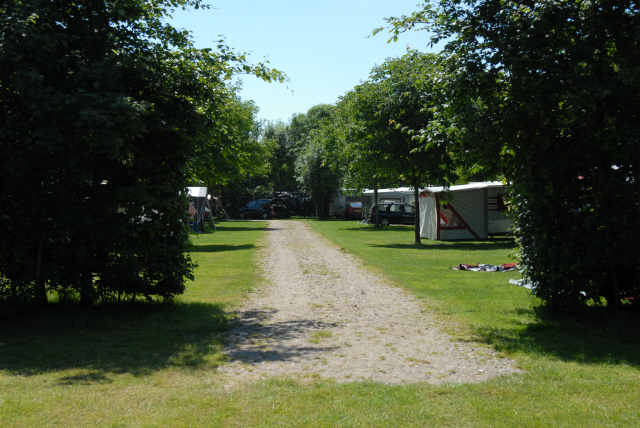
{"x":496,"y":203}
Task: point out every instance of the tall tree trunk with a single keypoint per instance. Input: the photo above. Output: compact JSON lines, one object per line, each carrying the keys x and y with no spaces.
{"x":87,"y":296}
{"x":41,"y":291}
{"x":376,"y":217}
{"x":416,"y":202}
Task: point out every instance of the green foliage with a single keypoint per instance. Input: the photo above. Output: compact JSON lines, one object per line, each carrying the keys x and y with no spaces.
{"x":101,"y":106}
{"x":283,"y":152}
{"x":390,"y":113}
{"x":363,"y":151}
{"x":230,"y":150}
{"x":547,"y":92}
{"x":303,"y":157}
{"x":318,"y":166}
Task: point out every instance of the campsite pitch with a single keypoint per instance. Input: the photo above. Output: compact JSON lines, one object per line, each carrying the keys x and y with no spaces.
{"x":323,"y":315}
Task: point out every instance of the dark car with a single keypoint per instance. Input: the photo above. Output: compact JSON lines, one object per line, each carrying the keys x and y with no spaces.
{"x":264,"y":208}
{"x":393,"y":214}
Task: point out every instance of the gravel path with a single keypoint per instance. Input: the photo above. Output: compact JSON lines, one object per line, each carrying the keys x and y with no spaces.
{"x":325,"y":316}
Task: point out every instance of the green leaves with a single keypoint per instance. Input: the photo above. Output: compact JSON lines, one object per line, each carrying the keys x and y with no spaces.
{"x":545,"y":92}
{"x":102,"y":104}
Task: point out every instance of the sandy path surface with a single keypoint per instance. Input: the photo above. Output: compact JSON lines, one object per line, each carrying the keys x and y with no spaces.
{"x":325,"y":316}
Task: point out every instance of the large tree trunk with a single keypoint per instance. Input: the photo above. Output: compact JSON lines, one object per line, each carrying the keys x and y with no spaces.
{"x":41,"y":291}
{"x":87,"y":294}
{"x":416,"y":202}
{"x":376,"y":218}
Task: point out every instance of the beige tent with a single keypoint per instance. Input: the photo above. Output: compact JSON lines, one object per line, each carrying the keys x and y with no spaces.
{"x":468,"y":211}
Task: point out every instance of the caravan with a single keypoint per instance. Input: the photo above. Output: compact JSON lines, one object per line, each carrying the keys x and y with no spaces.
{"x":468,"y":211}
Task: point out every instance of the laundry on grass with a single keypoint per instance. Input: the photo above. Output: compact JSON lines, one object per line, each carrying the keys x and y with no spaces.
{"x":481,"y":267}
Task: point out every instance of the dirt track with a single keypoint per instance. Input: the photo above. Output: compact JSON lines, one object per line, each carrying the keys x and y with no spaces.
{"x":322,"y":315}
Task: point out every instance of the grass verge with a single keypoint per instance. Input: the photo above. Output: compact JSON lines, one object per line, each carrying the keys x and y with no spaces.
{"x":580,"y":369}
{"x":129,"y":365}
{"x":155,"y":366}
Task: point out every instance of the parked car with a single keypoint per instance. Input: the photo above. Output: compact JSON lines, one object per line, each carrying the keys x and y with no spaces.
{"x":393,"y":214}
{"x":353,"y":210}
{"x":264,"y":208}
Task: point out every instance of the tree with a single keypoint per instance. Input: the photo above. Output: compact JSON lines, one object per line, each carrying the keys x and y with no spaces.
{"x":101,"y":105}
{"x":282,"y":157}
{"x":230,"y":150}
{"x":394,"y":106}
{"x":547,"y":92}
{"x":364,"y":153}
{"x":318,"y":164}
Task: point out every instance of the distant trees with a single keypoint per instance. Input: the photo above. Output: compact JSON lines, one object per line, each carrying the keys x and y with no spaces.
{"x":282,"y":159}
{"x":547,"y":93}
{"x":318,"y":165}
{"x":302,"y":156}
{"x":101,"y":106}
{"x":374,"y":135}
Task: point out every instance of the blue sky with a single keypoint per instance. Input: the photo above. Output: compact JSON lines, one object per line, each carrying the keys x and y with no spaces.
{"x":323,"y":46}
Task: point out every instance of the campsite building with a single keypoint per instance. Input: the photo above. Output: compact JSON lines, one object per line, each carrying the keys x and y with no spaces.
{"x":468,"y":211}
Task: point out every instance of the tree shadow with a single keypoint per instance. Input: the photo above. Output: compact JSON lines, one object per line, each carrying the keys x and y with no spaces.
{"x":245,"y":229}
{"x":372,"y":228}
{"x":497,"y":244}
{"x":136,"y":339}
{"x":84,"y":379}
{"x":590,"y":336}
{"x":249,"y":339}
{"x":213,"y":248}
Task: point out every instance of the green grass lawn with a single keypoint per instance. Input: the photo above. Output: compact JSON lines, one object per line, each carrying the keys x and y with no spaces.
{"x":155,"y":365}
{"x":142,"y":364}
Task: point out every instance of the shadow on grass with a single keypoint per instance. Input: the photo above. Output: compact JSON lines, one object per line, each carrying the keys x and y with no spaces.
{"x":244,"y":229}
{"x":498,"y":244}
{"x":587,"y":337}
{"x":137,"y":339}
{"x":372,"y":228}
{"x":212,"y":248}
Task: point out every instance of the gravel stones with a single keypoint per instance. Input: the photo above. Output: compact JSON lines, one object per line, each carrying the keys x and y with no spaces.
{"x":323,"y":315}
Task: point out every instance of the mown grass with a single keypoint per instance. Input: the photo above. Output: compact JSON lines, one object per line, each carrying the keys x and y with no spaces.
{"x":155,"y":366}
{"x":579,"y":368}
{"x":134,"y":364}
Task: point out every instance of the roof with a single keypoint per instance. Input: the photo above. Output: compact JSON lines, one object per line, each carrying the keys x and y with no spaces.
{"x":197,"y":192}
{"x":437,"y":189}
{"x":469,"y":186}
{"x":394,"y":190}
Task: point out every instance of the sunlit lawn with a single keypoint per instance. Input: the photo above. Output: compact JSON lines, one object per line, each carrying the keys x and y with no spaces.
{"x":156,"y":365}
{"x":134,"y":365}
